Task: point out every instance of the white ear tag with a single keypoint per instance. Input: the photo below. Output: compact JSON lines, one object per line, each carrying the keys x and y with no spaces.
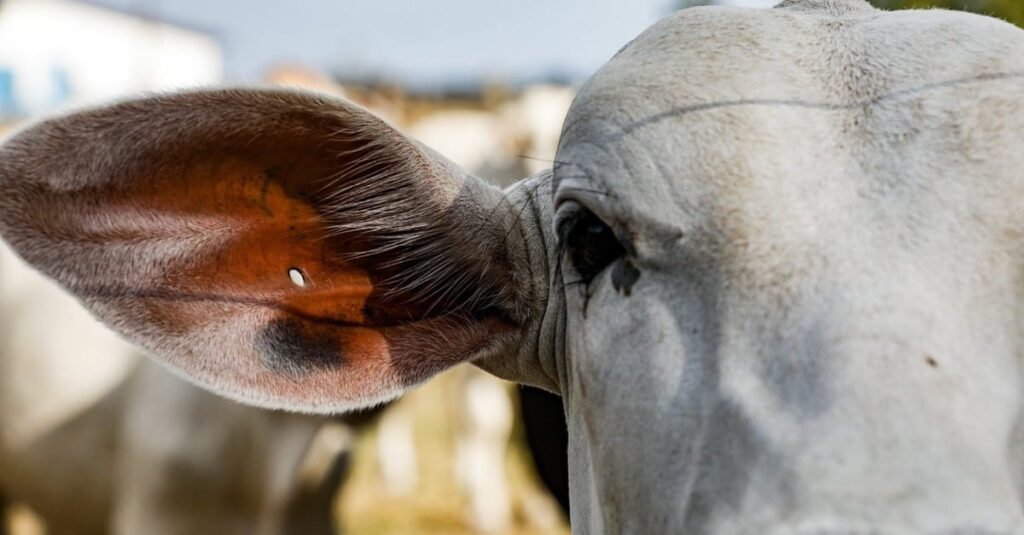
{"x":297,"y":277}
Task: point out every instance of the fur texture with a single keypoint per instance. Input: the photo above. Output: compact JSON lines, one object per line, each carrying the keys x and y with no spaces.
{"x":178,"y":219}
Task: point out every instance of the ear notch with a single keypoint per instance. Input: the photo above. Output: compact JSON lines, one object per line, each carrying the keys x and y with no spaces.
{"x":282,"y":248}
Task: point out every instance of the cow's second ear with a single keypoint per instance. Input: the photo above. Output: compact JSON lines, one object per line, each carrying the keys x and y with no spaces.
{"x":277,"y":247}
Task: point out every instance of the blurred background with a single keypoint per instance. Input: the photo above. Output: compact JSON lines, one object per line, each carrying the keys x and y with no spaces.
{"x":92,"y":440}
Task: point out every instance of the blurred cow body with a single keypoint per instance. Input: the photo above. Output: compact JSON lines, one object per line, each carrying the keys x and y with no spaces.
{"x":97,"y":440}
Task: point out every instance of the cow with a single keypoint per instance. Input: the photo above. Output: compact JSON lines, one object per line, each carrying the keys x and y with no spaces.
{"x":97,"y":440}
{"x":127,"y":429}
{"x":776,"y":272}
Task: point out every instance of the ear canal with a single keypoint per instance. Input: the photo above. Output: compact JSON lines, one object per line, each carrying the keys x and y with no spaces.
{"x":284,"y":249}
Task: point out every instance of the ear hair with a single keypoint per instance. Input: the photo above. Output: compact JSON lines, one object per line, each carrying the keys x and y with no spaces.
{"x":394,"y":198}
{"x":177,"y":220}
{"x":431,"y":257}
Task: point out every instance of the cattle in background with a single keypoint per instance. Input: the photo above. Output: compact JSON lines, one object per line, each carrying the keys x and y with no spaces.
{"x":534,"y":120}
{"x":516,"y":137}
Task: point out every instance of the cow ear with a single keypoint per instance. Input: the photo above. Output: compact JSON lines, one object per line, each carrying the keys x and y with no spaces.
{"x":277,"y":247}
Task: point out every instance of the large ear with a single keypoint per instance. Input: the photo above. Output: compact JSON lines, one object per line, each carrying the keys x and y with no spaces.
{"x":280,"y":248}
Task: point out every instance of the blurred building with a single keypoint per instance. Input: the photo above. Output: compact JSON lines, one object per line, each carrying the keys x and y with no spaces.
{"x":59,"y":52}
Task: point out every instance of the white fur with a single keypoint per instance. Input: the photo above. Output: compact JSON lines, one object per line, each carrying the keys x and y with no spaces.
{"x":825,"y":204}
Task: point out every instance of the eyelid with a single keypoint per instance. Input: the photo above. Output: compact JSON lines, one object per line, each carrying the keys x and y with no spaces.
{"x":570,"y":211}
{"x":566,"y":216}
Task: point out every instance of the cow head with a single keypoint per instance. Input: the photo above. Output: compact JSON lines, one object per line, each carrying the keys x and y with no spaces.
{"x":776,"y":272}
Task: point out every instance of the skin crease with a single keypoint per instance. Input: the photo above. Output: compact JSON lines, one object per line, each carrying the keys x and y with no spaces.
{"x":816,"y":326}
{"x":825,"y":335}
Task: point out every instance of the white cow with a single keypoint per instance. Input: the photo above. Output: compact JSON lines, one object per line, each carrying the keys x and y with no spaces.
{"x":521,"y":136}
{"x":777,"y":273}
{"x":535,"y":120}
{"x":98,"y":441}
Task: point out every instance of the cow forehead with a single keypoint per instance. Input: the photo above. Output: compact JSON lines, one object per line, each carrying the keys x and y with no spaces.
{"x":857,"y":171}
{"x":848,"y":49}
{"x":718,"y":108}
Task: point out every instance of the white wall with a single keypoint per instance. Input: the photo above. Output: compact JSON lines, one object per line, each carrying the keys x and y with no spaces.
{"x":63,"y":52}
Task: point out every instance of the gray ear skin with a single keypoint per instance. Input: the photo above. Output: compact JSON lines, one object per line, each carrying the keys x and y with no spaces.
{"x":536,"y":359}
{"x":281,"y":248}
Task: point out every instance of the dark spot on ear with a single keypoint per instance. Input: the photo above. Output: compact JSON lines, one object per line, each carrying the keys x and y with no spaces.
{"x":931,"y":361}
{"x":624,"y":276}
{"x":293,"y":347}
{"x":268,"y":176}
{"x":272,"y":172}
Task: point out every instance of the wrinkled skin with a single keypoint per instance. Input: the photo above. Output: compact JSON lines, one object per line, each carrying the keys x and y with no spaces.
{"x":776,"y":274}
{"x":826,"y":332}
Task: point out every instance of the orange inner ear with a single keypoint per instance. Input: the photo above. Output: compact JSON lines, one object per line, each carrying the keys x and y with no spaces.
{"x":178,"y":219}
{"x":260,"y":224}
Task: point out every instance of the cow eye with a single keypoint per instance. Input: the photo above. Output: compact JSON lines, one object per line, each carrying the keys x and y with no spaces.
{"x":590,"y":244}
